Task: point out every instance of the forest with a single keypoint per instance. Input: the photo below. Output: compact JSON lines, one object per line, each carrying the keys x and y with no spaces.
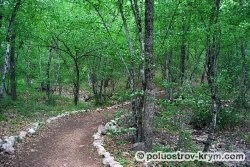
{"x":169,"y":75}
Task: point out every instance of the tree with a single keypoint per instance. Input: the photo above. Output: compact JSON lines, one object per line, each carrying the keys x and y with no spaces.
{"x":9,"y":63}
{"x":213,"y":49}
{"x":149,"y":87}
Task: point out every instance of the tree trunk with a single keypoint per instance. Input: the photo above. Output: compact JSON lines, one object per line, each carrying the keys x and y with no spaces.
{"x":48,"y":82}
{"x":168,"y":75}
{"x":184,"y":51}
{"x":138,"y":20}
{"x":58,"y":85}
{"x":13,"y":67}
{"x":93,"y":84}
{"x":149,"y":89}
{"x":10,"y":52}
{"x":182,"y":61}
{"x":212,"y":57}
{"x":76,"y":81}
{"x":135,"y":101}
{"x":1,"y":17}
{"x":5,"y":70}
{"x":28,"y":77}
{"x":243,"y":89}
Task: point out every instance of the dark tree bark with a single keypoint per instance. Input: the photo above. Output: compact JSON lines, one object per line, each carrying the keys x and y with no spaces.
{"x":9,"y":62}
{"x":212,"y":57}
{"x":76,"y":83}
{"x":149,"y":87}
{"x":184,"y":50}
{"x":182,"y":60}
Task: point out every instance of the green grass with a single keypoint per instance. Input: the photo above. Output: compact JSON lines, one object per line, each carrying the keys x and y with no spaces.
{"x":31,"y":106}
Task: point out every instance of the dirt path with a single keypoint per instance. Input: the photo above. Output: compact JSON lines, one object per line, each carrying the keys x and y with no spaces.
{"x":64,"y":143}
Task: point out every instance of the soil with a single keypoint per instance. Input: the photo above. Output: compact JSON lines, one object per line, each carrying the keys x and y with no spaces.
{"x":66,"y":142}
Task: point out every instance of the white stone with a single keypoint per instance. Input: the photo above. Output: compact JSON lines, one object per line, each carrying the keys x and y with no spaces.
{"x":74,"y":112}
{"x":10,"y":140}
{"x":31,"y":131}
{"x":35,"y":125}
{"x":97,"y":144}
{"x":108,"y":125}
{"x":117,"y":165}
{"x":60,"y":116}
{"x":108,"y":160}
{"x":22,"y":135}
{"x":100,"y":128}
{"x":109,"y":108}
{"x":105,"y":162}
{"x":8,"y":148}
{"x":48,"y":120}
{"x":114,"y":122}
{"x":107,"y":155}
{"x":97,"y":136}
{"x":53,"y":118}
{"x":101,"y":150}
{"x":113,"y":163}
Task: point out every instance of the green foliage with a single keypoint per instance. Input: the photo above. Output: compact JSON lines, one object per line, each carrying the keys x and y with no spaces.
{"x":158,"y":147}
{"x":123,"y":161}
{"x":32,"y":105}
{"x":229,"y":118}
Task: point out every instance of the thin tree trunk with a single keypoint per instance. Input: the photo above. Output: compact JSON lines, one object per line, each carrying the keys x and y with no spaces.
{"x":212,"y":54}
{"x":48,"y":82}
{"x":149,"y":109}
{"x":134,"y":101}
{"x":29,"y":78}
{"x":184,"y":51}
{"x":57,"y":75}
{"x":168,"y":75}
{"x":182,"y":61}
{"x":243,"y":88}
{"x":1,"y":17}
{"x":243,"y":75}
{"x":5,"y":70}
{"x":13,"y":67}
{"x":76,"y":81}
{"x":8,"y":53}
{"x":137,"y":16}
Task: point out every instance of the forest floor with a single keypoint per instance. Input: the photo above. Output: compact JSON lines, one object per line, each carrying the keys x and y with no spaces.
{"x":66,"y":142}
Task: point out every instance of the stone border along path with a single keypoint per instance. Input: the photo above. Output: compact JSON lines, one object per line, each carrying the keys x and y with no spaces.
{"x":98,"y":143}
{"x":7,"y":144}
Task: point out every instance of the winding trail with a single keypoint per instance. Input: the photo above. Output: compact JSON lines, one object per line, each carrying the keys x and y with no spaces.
{"x":66,"y":142}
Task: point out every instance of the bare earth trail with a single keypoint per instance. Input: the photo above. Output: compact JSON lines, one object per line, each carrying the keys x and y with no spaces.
{"x":66,"y":142}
